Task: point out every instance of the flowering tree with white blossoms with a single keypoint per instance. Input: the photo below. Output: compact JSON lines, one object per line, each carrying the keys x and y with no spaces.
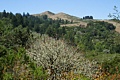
{"x":57,"y":57}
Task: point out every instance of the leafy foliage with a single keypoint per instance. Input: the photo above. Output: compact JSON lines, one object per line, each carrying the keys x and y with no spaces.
{"x":88,"y":17}
{"x":52,"y":54}
{"x":15,"y":36}
{"x":116,"y":14}
{"x":112,"y":66}
{"x":98,"y":36}
{"x":59,"y":58}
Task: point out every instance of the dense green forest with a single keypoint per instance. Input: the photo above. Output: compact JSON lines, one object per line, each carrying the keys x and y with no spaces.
{"x":16,"y":35}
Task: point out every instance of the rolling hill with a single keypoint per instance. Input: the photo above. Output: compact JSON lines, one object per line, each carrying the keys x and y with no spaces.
{"x":59,"y":15}
{"x":77,"y":21}
{"x":48,"y":13}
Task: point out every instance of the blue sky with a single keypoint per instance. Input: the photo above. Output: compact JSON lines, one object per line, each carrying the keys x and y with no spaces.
{"x":99,"y":9}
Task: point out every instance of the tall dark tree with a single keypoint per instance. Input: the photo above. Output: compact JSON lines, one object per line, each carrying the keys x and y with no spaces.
{"x":24,"y":14}
{"x":10,"y":15}
{"x":0,"y":15}
{"x":27,"y":14}
{"x":90,"y":17}
{"x":37,"y":28}
{"x":14,"y":21}
{"x":19,"y":18}
{"x":4,"y":14}
{"x":25,"y":21}
{"x":45,"y":17}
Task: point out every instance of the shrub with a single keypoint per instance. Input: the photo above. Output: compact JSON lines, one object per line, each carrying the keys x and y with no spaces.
{"x":112,"y":66}
{"x":59,"y":58}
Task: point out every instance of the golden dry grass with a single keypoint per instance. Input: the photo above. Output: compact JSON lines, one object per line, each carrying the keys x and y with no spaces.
{"x":61,"y":15}
{"x":80,"y":23}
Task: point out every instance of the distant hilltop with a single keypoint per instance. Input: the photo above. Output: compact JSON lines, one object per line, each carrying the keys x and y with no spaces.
{"x":80,"y":21}
{"x":61,"y":15}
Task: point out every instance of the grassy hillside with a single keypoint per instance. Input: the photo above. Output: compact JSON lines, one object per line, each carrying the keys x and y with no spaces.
{"x":78,"y":21}
{"x":61,"y":15}
{"x":48,"y":13}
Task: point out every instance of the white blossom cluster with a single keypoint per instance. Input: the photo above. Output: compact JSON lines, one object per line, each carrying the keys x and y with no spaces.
{"x":57,"y":57}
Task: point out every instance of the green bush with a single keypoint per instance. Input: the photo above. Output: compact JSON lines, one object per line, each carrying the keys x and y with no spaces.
{"x":112,"y":66}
